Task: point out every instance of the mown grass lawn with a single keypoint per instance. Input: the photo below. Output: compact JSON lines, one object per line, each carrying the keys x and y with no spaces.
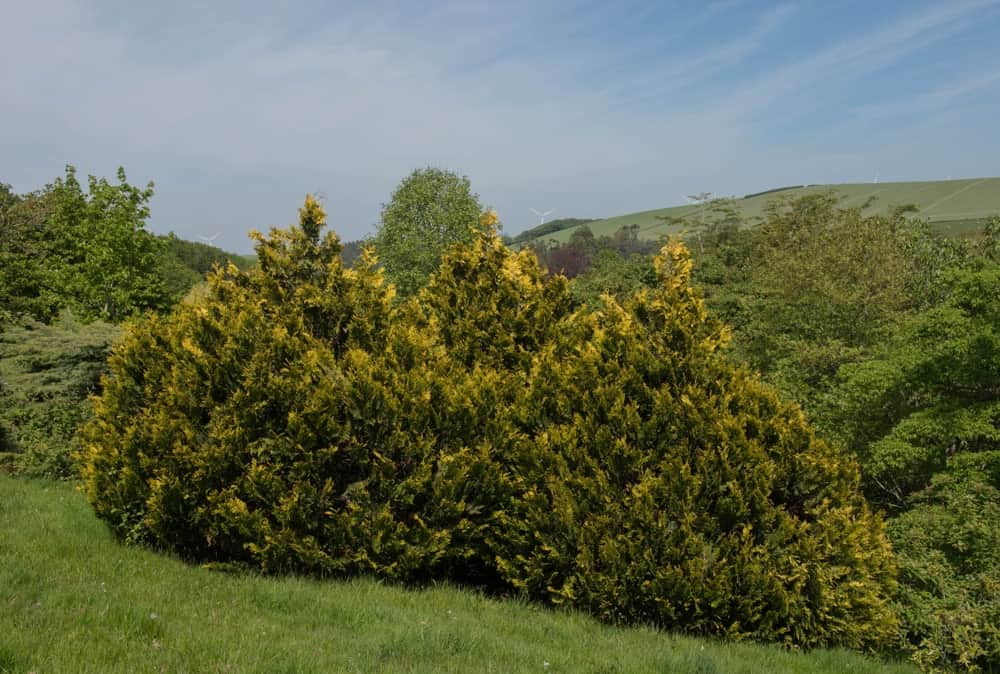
{"x":74,"y":600}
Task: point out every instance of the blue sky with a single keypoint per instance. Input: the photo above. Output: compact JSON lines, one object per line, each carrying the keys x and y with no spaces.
{"x":237,"y":109}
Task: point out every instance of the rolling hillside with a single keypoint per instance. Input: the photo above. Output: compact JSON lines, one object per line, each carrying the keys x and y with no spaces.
{"x":955,"y":206}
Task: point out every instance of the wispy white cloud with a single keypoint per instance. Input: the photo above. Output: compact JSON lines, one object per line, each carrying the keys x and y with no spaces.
{"x":669,"y":78}
{"x":868,"y":52}
{"x":235,"y":113}
{"x":927,"y":101}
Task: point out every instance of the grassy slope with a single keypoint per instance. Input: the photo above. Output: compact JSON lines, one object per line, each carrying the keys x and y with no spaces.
{"x":952,"y":205}
{"x":73,"y":600}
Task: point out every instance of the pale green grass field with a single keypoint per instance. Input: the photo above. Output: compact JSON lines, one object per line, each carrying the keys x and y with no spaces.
{"x":953,"y":206}
{"x":74,"y":600}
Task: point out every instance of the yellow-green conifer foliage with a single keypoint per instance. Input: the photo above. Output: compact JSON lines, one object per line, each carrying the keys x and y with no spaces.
{"x":668,"y":487}
{"x":296,"y":418}
{"x":494,"y":307}
{"x":282,"y":421}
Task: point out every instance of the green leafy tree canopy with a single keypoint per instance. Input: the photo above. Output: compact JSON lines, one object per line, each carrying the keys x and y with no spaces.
{"x":430,"y":210}
{"x":84,"y":249}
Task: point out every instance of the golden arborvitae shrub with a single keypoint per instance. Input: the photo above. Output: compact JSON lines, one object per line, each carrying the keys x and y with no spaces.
{"x":285,"y":420}
{"x":296,"y":418}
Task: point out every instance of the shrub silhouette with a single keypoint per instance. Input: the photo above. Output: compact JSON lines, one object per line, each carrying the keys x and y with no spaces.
{"x":295,"y":418}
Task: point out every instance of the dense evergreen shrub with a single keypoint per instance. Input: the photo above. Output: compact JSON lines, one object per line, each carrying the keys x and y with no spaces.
{"x":282,"y":421}
{"x":296,"y":418}
{"x":668,"y":487}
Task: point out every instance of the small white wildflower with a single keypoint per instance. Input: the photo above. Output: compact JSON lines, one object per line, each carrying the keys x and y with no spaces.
{"x":153,"y":616}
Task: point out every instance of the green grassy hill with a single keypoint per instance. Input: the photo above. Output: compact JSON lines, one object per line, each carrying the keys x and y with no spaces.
{"x":954,"y":206}
{"x":74,"y":600}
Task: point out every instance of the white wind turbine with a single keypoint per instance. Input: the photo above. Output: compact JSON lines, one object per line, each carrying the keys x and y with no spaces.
{"x":700,"y":198}
{"x":541,"y":216}
{"x":210,"y":239}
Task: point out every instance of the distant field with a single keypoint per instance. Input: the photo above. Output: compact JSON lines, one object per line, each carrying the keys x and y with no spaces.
{"x":953,"y":206}
{"x":73,"y":600}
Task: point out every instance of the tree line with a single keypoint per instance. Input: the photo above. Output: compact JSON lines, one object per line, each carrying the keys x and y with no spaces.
{"x":86,"y":248}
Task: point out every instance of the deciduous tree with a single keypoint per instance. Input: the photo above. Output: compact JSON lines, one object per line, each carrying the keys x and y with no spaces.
{"x":430,"y":210}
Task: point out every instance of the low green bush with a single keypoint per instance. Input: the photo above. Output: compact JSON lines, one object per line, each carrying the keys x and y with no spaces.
{"x":47,"y":373}
{"x":295,"y":418}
